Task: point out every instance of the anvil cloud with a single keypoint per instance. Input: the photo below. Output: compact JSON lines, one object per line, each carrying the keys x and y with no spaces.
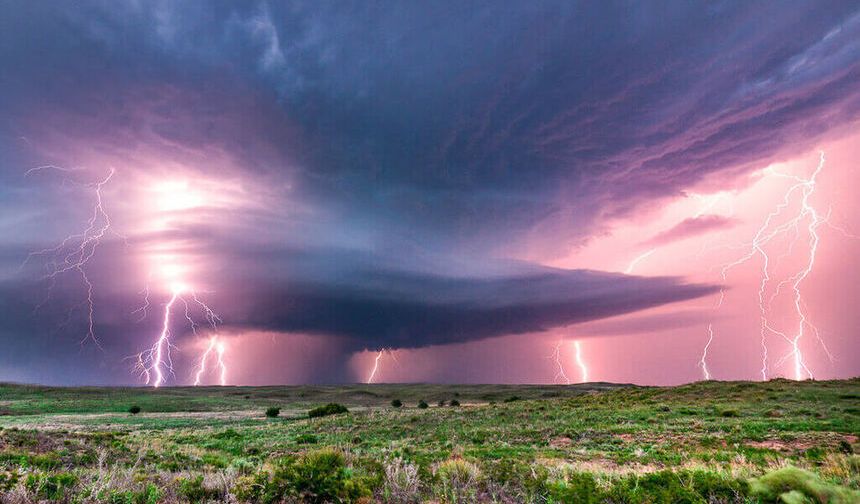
{"x":390,"y":174}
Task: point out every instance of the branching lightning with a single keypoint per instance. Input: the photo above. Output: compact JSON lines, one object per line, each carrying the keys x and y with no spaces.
{"x":75,"y":251}
{"x":560,"y":375}
{"x":155,"y":363}
{"x":376,"y":360}
{"x":218,"y":348}
{"x":770,"y":229}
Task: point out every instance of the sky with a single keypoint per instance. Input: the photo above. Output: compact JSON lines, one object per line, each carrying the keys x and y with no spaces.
{"x":248,"y":193}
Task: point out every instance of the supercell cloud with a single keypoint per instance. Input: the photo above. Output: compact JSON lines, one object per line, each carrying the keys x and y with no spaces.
{"x":381,"y":175}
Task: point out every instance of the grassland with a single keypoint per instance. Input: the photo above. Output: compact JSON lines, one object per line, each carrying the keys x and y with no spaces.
{"x":778,"y":441}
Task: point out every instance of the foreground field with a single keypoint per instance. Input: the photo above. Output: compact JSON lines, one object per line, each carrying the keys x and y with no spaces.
{"x":714,"y":442}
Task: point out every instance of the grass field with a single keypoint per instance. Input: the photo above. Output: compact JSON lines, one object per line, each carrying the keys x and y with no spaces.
{"x":709,"y":442}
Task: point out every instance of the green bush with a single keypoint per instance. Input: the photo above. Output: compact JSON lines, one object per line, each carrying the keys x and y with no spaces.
{"x":273,"y":412}
{"x":454,"y":402}
{"x":53,"y":487}
{"x":576,"y":487}
{"x":792,"y":485}
{"x":316,"y":477}
{"x":192,"y":489}
{"x":730,"y":413}
{"x":328,"y":409}
{"x":8,"y":479}
{"x":396,"y":403}
{"x":513,"y":398}
{"x":306,"y":438}
{"x":422,"y":404}
{"x":134,"y":410}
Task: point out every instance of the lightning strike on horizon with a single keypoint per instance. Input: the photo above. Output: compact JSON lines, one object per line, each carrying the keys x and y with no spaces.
{"x":790,"y":229}
{"x":559,"y":374}
{"x":218,"y":347}
{"x":580,"y":361}
{"x":376,"y":359}
{"x":83,"y":247}
{"x":703,"y":362}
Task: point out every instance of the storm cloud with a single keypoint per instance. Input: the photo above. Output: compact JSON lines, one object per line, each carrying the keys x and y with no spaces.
{"x":390,"y":158}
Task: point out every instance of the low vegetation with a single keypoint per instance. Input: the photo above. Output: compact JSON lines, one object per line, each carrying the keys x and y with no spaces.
{"x":707,"y":443}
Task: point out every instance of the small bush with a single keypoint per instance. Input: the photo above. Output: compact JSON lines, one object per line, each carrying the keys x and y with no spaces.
{"x":441,"y":403}
{"x":54,"y":487}
{"x":454,"y":402}
{"x":134,"y":410}
{"x":192,"y":489}
{"x":306,"y":438}
{"x":791,"y":484}
{"x":402,"y":483}
{"x":422,"y":404}
{"x":458,"y":480}
{"x":396,"y":403}
{"x":328,"y":409}
{"x":273,"y":412}
{"x":513,"y":398}
{"x":316,"y":477}
{"x":730,"y":413}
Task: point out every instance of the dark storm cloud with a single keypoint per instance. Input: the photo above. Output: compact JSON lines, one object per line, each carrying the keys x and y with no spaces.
{"x":426,"y":136}
{"x":453,"y":123}
{"x":693,"y":226}
{"x":365,"y":300}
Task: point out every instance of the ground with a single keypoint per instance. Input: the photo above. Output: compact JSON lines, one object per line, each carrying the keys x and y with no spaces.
{"x":778,"y":441}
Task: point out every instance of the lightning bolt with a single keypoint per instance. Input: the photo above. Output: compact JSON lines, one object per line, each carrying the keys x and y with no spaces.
{"x":218,"y":348}
{"x":154,"y":363}
{"x":703,"y":362}
{"x":805,"y":188}
{"x":580,"y":361}
{"x":75,"y":251}
{"x":560,"y":375}
{"x":376,"y":360}
{"x":641,"y":257}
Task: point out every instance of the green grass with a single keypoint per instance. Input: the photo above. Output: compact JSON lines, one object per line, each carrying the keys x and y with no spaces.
{"x":616,"y":443}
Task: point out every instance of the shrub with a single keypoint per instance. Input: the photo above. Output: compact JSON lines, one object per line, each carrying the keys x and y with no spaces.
{"x":730,"y":413}
{"x":54,"y":487}
{"x":454,"y":402}
{"x":328,"y":409}
{"x":316,"y":477}
{"x":458,"y":480}
{"x":193,"y":490}
{"x":306,"y":438}
{"x":791,"y":484}
{"x":396,"y":403}
{"x":402,"y":483}
{"x":273,"y":412}
{"x":576,"y":487}
{"x":441,"y":403}
{"x":513,"y":398}
{"x":134,"y":410}
{"x":422,"y":404}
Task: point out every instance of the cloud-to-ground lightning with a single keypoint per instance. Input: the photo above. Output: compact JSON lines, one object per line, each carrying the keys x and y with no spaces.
{"x":218,"y":348}
{"x":560,"y":375}
{"x":75,"y":251}
{"x":154,"y":363}
{"x":372,"y":376}
{"x":580,"y":361}
{"x":703,"y":361}
{"x":802,"y":189}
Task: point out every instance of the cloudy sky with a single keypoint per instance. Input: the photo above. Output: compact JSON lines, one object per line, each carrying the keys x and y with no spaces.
{"x":653,"y":192}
